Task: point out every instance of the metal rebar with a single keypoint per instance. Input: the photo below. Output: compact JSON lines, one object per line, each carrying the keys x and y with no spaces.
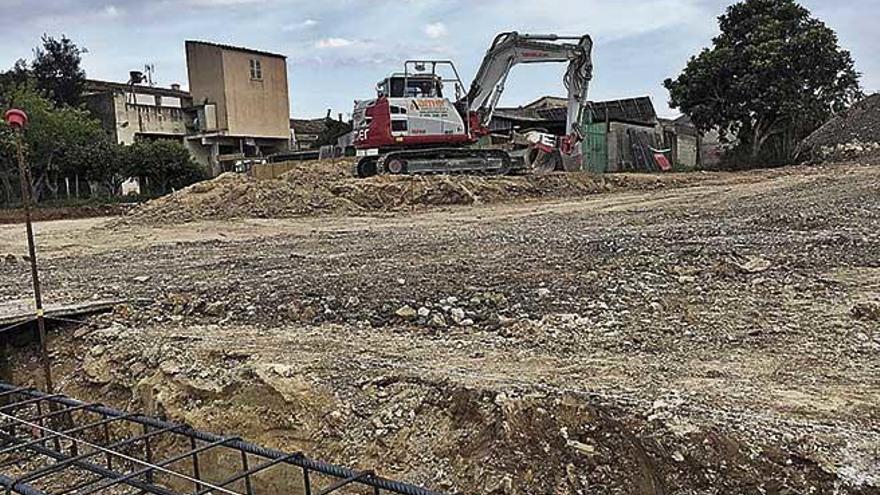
{"x":303,"y":462}
{"x":25,"y":176}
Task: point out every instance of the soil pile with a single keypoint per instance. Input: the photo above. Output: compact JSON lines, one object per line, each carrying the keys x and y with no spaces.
{"x":852,"y":134}
{"x":326,"y":187}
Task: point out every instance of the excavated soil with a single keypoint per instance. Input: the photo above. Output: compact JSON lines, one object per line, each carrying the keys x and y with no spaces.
{"x":326,"y":187}
{"x":680,"y":334}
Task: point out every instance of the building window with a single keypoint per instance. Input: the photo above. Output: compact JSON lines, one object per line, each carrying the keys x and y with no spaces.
{"x":256,"y":69}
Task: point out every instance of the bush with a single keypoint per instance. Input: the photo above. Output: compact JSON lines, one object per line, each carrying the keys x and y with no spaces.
{"x":162,"y":166}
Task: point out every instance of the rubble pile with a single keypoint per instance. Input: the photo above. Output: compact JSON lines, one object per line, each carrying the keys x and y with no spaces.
{"x":320,"y":188}
{"x":852,"y":134}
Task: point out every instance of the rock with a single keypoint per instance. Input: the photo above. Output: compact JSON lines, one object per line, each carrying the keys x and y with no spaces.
{"x":137,"y":368}
{"x":543,"y":292}
{"x":457,"y":314}
{"x":97,"y":350}
{"x":754,"y":264}
{"x":581,"y":447}
{"x":96,"y":371}
{"x":438,"y":321}
{"x":424,"y":312}
{"x":217,"y":308}
{"x":141,"y":279}
{"x":406,"y":312}
{"x":466,"y":322}
{"x":868,"y":310}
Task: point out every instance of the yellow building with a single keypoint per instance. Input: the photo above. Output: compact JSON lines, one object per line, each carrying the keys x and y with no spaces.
{"x":241,"y":103}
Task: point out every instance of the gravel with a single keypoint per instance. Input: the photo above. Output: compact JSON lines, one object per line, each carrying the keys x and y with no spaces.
{"x":715,"y":334}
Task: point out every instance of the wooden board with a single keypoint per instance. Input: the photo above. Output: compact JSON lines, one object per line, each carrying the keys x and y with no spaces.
{"x":22,"y":310}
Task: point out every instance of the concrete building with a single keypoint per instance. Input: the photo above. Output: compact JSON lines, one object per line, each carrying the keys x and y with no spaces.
{"x":241,"y":106}
{"x":130,"y":112}
{"x":134,"y":112}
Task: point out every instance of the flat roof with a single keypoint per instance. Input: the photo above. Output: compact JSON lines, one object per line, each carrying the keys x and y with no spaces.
{"x":98,"y":86}
{"x":236,"y":48}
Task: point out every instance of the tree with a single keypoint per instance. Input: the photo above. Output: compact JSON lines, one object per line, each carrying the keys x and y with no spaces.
{"x":105,"y":163}
{"x":774,"y":71}
{"x":56,"y":140}
{"x":56,"y":68}
{"x":166,"y":165}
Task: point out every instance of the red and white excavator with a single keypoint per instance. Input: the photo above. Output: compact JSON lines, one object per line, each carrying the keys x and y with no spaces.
{"x":411,"y":128}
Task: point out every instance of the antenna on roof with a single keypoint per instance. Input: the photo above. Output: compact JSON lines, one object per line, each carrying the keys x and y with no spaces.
{"x":149,"y":70}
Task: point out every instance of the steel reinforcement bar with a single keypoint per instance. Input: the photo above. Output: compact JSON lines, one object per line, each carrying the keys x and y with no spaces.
{"x":30,"y":397}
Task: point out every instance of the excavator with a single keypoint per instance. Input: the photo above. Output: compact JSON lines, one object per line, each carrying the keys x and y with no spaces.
{"x":412,"y":128}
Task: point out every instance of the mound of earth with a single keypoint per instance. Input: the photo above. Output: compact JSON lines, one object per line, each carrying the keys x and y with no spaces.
{"x":852,"y":134}
{"x":326,"y":187}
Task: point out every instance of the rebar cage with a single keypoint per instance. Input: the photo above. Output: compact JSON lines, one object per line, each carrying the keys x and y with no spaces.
{"x":55,"y":445}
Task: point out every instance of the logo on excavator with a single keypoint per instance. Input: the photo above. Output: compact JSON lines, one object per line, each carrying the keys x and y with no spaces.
{"x":419,"y":105}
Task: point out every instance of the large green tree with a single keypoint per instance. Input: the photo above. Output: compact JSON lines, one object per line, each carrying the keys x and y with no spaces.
{"x":57,"y":70}
{"x":56,"y":140}
{"x":775,"y":71}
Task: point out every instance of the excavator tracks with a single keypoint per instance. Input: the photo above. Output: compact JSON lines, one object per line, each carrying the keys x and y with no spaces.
{"x":439,"y":161}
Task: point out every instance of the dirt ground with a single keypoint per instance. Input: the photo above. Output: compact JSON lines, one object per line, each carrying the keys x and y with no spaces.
{"x":717,"y":333}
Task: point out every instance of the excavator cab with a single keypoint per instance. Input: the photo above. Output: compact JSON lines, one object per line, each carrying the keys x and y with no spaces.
{"x":411,"y":86}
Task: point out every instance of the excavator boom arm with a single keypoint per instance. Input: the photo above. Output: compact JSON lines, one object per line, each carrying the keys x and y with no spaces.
{"x":510,"y":49}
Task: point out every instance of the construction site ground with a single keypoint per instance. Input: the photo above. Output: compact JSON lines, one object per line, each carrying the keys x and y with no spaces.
{"x":704,"y":334}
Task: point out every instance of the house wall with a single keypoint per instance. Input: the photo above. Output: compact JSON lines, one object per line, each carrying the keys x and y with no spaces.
{"x":204,"y":64}
{"x":687,"y":150}
{"x":138,"y":119}
{"x":256,"y":107}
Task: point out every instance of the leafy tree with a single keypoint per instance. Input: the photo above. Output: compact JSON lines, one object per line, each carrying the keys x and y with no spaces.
{"x":102,"y":162}
{"x":166,"y":165}
{"x":773,"y":72}
{"x":56,"y":140}
{"x":56,"y":68}
{"x":14,"y":78}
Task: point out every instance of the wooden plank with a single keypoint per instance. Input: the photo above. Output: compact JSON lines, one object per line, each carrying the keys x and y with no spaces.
{"x":22,"y":310}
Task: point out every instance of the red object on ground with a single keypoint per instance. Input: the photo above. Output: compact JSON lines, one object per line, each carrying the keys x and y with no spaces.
{"x":16,"y":118}
{"x":662,"y":162}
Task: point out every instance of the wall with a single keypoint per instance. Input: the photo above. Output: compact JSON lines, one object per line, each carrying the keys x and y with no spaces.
{"x":258,"y":108}
{"x":134,"y":119}
{"x":204,"y":65}
{"x":687,"y":150}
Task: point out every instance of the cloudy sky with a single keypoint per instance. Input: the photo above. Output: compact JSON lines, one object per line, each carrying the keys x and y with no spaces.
{"x":338,"y":49}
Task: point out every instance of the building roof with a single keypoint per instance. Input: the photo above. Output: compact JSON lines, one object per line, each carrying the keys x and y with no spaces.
{"x":325,"y":128}
{"x":548,"y":101}
{"x":236,"y":48}
{"x":96,"y":86}
{"x":639,"y":110}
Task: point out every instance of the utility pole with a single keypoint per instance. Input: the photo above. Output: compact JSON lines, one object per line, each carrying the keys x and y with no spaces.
{"x":18,"y":120}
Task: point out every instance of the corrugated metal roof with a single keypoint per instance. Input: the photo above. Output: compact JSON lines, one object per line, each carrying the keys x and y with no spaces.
{"x":639,"y":110}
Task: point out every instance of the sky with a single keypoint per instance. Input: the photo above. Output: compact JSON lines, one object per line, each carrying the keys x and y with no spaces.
{"x":338,"y":49}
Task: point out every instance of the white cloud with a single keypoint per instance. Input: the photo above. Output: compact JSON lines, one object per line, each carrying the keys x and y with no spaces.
{"x":301,"y":26}
{"x":111,"y":11}
{"x":436,"y":30}
{"x":221,"y":3}
{"x":334,"y":43}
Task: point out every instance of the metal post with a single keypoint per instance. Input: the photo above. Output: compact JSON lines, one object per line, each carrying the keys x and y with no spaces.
{"x":18,"y":120}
